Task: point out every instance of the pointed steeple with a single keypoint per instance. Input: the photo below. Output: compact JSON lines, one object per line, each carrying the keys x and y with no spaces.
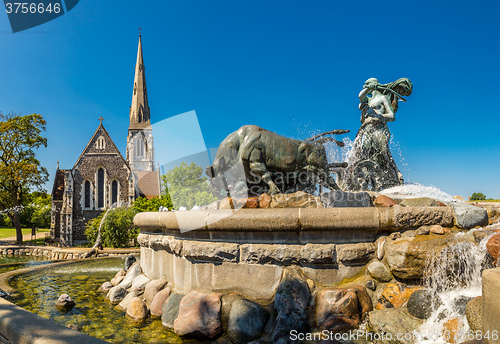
{"x":139,"y":111}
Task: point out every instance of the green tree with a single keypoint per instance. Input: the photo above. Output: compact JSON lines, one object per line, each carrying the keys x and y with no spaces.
{"x":143,"y":204}
{"x":37,"y":212}
{"x":42,"y":207}
{"x":117,"y":229}
{"x":477,"y":196}
{"x":20,"y":136}
{"x":186,"y":186}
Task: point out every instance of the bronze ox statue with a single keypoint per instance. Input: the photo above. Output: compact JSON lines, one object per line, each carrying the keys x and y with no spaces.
{"x":253,"y":160}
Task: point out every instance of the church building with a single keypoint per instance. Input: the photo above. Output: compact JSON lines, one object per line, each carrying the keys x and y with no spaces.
{"x":101,"y":178}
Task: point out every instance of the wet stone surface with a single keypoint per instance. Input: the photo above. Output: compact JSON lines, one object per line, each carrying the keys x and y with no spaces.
{"x":92,"y":314}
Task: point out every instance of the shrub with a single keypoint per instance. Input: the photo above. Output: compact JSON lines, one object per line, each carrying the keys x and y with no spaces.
{"x":117,"y":229}
{"x":143,"y":204}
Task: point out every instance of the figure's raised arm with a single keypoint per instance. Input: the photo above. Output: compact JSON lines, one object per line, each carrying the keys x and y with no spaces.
{"x":363,"y":95}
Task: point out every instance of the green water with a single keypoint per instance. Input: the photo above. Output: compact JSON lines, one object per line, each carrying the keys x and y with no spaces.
{"x":92,"y":314}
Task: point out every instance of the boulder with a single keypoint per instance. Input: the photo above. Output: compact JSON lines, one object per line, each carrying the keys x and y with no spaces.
{"x":129,"y":261}
{"x":380,"y":244}
{"x":132,"y":273}
{"x":290,"y":303}
{"x":407,"y":257}
{"x":460,"y":304}
{"x":419,"y":202}
{"x":393,"y":321}
{"x":355,"y":254}
{"x":264,"y":200}
{"x":493,"y":247}
{"x":117,"y":280}
{"x":152,"y":288}
{"x":65,"y":303}
{"x":247,"y":203}
{"x":384,"y":201}
{"x":453,"y":328}
{"x":395,"y":295}
{"x":342,"y":199}
{"x":437,"y":229}
{"x":137,"y":309}
{"x":481,"y":234}
{"x":422,"y":303}
{"x":123,"y":305}
{"x":379,"y":271}
{"x":120,"y":275}
{"x":246,"y":320}
{"x":371,"y":284}
{"x":159,"y":301}
{"x":105,"y":287}
{"x":139,"y":283}
{"x":351,"y":303}
{"x":299,"y":199}
{"x":458,"y":198}
{"x":468,"y":216}
{"x":199,"y":315}
{"x":474,"y":313}
{"x":423,"y":230}
{"x":116,"y":294}
{"x":170,"y":310}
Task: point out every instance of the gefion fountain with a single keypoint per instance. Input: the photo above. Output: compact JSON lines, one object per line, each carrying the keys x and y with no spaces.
{"x":273,"y":261}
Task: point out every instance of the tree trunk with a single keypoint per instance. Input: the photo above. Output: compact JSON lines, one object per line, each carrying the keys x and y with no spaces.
{"x":19,"y":231}
{"x":16,"y":219}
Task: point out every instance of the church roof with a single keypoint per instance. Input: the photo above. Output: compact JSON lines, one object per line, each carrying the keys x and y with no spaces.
{"x":139,"y":110}
{"x":58,"y":188}
{"x":100,"y":131}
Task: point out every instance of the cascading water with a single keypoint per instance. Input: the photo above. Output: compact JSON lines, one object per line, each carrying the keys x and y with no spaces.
{"x":453,"y":275}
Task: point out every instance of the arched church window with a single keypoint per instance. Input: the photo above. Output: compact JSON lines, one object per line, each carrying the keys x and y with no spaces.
{"x":139,"y":147}
{"x":100,"y":143}
{"x":87,"y":194}
{"x":100,"y":188}
{"x":114,"y":192}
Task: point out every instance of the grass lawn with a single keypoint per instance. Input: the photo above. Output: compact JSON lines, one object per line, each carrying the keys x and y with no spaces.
{"x":8,"y":232}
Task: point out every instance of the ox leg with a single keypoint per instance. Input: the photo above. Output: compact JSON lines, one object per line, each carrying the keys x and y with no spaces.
{"x":258,"y":167}
{"x":324,"y":178}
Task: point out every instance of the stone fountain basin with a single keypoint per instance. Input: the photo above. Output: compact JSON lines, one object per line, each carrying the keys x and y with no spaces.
{"x":246,"y":250}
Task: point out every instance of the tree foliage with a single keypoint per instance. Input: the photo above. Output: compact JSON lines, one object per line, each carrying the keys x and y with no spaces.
{"x":143,"y":204}
{"x":37,"y":212}
{"x":20,"y":171}
{"x":477,"y":196}
{"x":186,"y":186}
{"x":117,"y":229}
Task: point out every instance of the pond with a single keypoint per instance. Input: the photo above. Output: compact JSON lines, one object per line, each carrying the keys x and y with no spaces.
{"x":92,"y":314}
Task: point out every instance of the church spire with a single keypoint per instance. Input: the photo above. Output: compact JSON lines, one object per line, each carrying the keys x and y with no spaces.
{"x":139,"y":111}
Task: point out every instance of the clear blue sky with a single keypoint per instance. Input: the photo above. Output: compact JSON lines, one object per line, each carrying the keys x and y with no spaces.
{"x":294,"y":67}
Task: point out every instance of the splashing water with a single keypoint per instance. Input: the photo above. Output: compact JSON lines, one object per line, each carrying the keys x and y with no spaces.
{"x":453,"y":275}
{"x":415,"y":190}
{"x":99,"y":231}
